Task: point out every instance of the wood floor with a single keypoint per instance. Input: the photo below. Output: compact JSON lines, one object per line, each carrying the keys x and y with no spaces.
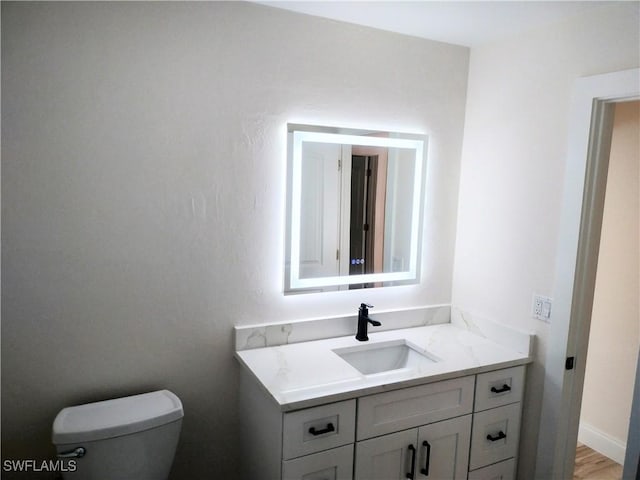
{"x":590,"y":465}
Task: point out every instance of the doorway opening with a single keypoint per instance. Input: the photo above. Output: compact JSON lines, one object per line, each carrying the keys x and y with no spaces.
{"x":614,"y":334}
{"x":590,"y":126}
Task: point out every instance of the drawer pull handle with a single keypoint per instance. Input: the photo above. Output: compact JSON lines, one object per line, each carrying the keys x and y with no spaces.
{"x":505,"y":388}
{"x":330,"y":428}
{"x":425,"y":470}
{"x":500,"y":436}
{"x":412,"y":474}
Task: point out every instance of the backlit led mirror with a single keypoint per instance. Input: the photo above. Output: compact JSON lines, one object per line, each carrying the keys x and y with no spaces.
{"x":354,"y":208}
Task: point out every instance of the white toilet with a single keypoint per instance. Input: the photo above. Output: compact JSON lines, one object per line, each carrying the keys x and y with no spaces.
{"x":130,"y":438}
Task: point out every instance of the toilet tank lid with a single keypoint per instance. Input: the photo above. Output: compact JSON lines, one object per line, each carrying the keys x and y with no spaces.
{"x":113,"y":418}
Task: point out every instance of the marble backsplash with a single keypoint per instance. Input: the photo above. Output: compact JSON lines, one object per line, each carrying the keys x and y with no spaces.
{"x":504,"y":335}
{"x":283,"y":333}
{"x":273,"y":334}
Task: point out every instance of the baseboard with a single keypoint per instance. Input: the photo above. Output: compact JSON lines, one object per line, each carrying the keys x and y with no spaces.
{"x":601,"y":442}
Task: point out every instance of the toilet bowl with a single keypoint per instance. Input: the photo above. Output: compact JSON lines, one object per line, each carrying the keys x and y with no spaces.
{"x":129,"y":438}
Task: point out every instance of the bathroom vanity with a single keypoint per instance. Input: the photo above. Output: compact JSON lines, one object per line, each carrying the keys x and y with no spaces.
{"x":437,"y":401}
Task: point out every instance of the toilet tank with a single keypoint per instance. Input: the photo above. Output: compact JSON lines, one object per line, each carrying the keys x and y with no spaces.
{"x":129,"y":438}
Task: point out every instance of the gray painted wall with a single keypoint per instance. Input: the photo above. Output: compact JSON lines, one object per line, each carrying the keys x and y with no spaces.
{"x":143,"y":168}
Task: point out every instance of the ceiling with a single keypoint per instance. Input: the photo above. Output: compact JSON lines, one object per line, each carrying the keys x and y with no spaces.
{"x":468,"y":23}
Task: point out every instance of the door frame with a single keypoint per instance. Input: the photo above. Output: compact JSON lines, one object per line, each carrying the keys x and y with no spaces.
{"x":590,"y":125}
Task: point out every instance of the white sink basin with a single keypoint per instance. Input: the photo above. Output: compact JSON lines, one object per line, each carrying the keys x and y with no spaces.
{"x":383,"y":357}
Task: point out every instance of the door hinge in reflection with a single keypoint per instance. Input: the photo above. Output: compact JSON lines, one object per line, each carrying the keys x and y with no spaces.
{"x":339,"y":164}
{"x":337,"y":254}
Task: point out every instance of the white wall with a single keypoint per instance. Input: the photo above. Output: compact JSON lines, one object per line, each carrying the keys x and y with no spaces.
{"x":143,"y":151}
{"x":512,"y":172}
{"x":614,"y":337}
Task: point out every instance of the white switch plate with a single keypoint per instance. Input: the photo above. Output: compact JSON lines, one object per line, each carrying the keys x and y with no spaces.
{"x":541,"y":308}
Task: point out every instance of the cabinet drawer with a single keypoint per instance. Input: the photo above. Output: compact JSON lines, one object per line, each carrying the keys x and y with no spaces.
{"x":499,"y":471}
{"x":494,"y":389}
{"x":495,"y":435}
{"x":318,"y":428}
{"x":410,"y":407}
{"x":334,"y":464}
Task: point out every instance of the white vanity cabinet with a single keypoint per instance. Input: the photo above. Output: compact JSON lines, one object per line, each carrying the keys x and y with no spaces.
{"x":466,"y":427}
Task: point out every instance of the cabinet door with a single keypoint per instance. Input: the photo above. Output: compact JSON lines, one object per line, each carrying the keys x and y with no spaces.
{"x":334,"y":464}
{"x":444,"y":449}
{"x":390,"y":457}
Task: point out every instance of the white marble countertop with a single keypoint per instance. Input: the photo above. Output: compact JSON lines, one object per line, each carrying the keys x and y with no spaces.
{"x":306,"y":374}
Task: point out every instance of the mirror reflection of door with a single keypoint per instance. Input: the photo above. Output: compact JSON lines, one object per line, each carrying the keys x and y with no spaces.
{"x":320,"y":210}
{"x":368,"y":192}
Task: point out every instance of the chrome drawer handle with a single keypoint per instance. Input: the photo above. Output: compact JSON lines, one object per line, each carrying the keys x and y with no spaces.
{"x":76,"y":453}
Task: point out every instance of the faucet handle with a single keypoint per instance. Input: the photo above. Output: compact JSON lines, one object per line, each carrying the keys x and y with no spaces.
{"x":364,"y":306}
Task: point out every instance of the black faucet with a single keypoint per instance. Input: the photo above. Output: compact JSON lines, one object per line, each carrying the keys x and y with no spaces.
{"x":363,"y":320}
